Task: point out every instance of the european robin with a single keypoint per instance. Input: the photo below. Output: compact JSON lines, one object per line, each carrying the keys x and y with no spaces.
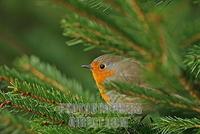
{"x":109,"y":67}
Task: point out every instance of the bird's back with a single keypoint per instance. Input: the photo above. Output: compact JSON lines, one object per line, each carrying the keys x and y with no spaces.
{"x":129,"y":71}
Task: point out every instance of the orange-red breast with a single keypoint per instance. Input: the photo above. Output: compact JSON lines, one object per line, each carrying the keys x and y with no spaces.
{"x":107,"y":68}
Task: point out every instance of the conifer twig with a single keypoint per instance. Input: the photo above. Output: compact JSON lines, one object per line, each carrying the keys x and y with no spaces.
{"x":140,"y":14}
{"x":189,"y":88}
{"x":176,"y":125}
{"x":191,"y":40}
{"x":127,"y":40}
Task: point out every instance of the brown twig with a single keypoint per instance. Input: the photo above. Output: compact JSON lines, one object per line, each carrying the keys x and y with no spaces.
{"x":160,"y":32}
{"x":189,"y":88}
{"x":20,"y":107}
{"x":117,"y":7}
{"x":141,"y":16}
{"x":5,"y":103}
{"x":23,"y":93}
{"x":163,"y":44}
{"x":191,"y":40}
{"x":42,"y":77}
{"x":27,"y":94}
{"x":97,"y":43}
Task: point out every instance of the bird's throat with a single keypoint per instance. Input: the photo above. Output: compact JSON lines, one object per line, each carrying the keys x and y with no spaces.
{"x":103,"y":92}
{"x":100,"y":78}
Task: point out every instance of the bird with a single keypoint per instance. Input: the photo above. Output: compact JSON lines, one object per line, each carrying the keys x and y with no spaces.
{"x":108,"y":68}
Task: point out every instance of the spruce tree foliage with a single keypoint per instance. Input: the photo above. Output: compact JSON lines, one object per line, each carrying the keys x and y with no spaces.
{"x":163,"y":35}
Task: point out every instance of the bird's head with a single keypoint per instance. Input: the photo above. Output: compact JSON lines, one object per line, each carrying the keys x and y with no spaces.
{"x":103,"y":67}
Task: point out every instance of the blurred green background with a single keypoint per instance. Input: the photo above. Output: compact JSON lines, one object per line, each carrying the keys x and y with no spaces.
{"x":32,"y":27}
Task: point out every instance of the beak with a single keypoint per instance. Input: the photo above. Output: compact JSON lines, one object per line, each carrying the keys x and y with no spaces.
{"x":86,"y":66}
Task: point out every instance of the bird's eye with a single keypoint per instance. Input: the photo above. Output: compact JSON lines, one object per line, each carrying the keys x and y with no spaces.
{"x":102,"y":66}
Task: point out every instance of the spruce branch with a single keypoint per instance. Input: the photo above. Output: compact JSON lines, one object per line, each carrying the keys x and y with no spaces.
{"x":26,"y":84}
{"x":86,"y":31}
{"x":56,"y":120}
{"x":156,"y":97}
{"x":132,"y":34}
{"x":46,"y":94}
{"x":37,"y":108}
{"x":136,"y":128}
{"x":192,"y":61}
{"x":172,"y":125}
{"x":10,"y":75}
{"x":26,"y":103}
{"x":107,"y":21}
{"x":48,"y":74}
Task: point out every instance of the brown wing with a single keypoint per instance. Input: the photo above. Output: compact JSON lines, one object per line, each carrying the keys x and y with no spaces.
{"x":129,"y":71}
